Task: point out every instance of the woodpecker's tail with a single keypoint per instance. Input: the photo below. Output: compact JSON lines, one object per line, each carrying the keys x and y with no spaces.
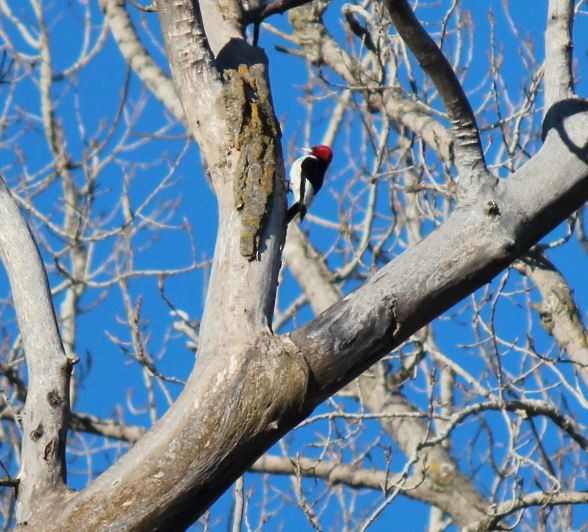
{"x":294,"y":210}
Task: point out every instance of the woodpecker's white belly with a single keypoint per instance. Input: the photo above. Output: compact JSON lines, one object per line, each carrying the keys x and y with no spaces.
{"x":296,"y":179}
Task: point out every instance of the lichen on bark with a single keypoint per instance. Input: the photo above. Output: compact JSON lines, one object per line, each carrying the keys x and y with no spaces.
{"x":256,"y":136}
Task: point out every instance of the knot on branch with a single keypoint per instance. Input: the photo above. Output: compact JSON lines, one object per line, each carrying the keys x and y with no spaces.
{"x":491,"y":208}
{"x":54,"y":399}
{"x":37,"y":432}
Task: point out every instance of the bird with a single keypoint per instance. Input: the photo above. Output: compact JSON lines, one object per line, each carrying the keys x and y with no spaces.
{"x":307,"y":174}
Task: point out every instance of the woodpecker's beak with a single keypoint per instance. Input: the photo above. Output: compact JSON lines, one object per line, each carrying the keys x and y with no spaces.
{"x":307,"y":150}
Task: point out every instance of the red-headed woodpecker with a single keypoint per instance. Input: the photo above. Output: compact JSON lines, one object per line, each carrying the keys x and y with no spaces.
{"x":306,"y":179}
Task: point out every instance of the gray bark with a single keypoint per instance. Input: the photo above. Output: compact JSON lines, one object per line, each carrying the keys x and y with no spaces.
{"x":42,"y":468}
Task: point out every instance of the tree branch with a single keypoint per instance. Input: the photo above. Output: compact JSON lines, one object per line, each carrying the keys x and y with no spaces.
{"x":107,"y":428}
{"x":199,"y":446}
{"x":137,"y":57}
{"x":469,"y":155}
{"x":360,"y":31}
{"x":558,"y":80}
{"x":471,"y":247}
{"x":233,"y":121}
{"x":195,"y":75}
{"x":338,"y":473}
{"x":217,"y":427}
{"x":320,"y":48}
{"x":526,"y":501}
{"x":44,"y":417}
{"x":9,"y":482}
{"x":560,"y":316}
{"x":526,"y":408}
{"x":436,"y":463}
{"x":413,"y":486}
{"x":443,"y":493}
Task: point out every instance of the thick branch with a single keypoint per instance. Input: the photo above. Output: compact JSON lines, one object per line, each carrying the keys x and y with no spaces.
{"x":434,"y":482}
{"x":469,"y":155}
{"x":469,"y":249}
{"x":213,"y":432}
{"x":44,"y":417}
{"x":558,"y":80}
{"x":445,"y":485}
{"x":196,"y":78}
{"x":223,"y":22}
{"x":246,"y":387}
{"x":250,"y":388}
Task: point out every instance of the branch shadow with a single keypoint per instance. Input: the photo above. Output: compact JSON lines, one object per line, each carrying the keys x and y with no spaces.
{"x":555,"y":118}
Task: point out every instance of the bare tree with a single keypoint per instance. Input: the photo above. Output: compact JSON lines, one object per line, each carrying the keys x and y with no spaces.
{"x":445,"y":185}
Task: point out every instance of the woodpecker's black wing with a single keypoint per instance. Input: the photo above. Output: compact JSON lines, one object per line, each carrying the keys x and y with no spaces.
{"x":306,"y":183}
{"x":292,"y":211}
{"x":313,"y":170}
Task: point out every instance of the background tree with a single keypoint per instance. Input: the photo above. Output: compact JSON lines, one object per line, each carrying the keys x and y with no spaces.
{"x":458,"y":145}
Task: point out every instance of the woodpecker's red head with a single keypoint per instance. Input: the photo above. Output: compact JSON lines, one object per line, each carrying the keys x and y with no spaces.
{"x":323,"y":153}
